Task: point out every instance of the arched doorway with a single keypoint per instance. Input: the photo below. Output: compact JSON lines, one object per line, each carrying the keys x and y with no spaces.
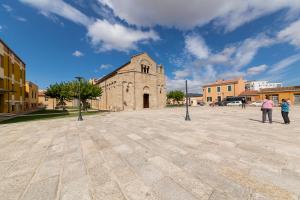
{"x":146,"y":102}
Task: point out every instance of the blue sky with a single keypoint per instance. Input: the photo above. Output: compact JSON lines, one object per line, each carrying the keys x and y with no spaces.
{"x":198,"y":40}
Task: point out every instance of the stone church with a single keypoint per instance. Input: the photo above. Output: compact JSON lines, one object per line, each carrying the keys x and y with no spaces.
{"x":138,"y":84}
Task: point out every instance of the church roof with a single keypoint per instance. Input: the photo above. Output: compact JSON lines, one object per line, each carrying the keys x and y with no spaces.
{"x":112,"y":73}
{"x":116,"y":70}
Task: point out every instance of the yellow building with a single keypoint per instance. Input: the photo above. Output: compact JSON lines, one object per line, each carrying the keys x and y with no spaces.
{"x":31,"y":95}
{"x":12,"y":81}
{"x":219,"y":90}
{"x":277,"y":94}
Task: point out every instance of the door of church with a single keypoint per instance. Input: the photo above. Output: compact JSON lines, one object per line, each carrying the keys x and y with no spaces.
{"x":146,"y":100}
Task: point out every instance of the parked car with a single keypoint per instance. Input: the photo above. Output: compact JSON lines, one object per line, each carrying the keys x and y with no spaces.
{"x":231,"y":99}
{"x":256,"y":103}
{"x":234,"y":103}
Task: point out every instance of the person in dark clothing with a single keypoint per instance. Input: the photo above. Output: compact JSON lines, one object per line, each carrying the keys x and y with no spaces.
{"x":243,"y":103}
{"x":285,"y":108}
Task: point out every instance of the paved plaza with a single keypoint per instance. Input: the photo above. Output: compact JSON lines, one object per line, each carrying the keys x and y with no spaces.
{"x":223,"y":153}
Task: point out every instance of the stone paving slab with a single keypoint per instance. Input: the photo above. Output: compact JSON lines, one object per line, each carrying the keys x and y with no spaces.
{"x":223,"y":153}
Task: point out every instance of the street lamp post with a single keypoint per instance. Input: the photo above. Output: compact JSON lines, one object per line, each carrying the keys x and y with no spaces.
{"x":187,"y":116}
{"x":79,"y":114}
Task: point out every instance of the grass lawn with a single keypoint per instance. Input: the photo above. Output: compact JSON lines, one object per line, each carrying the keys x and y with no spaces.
{"x":46,"y":114}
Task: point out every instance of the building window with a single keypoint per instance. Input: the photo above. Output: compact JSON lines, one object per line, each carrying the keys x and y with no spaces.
{"x":46,"y":98}
{"x":13,"y":68}
{"x":209,"y":99}
{"x":229,"y":88}
{"x":209,"y":90}
{"x":218,"y":89}
{"x":145,"y":69}
{"x":1,"y":61}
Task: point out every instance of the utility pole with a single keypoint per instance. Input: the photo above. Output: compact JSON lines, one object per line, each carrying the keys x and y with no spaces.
{"x":187,"y":116}
{"x":79,"y":114}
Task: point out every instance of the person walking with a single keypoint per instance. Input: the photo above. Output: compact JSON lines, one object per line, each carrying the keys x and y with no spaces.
{"x":243,"y":103}
{"x":266,"y":109}
{"x":285,"y":108}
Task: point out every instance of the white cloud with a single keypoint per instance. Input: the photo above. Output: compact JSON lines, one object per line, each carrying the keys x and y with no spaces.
{"x":256,"y":69}
{"x":196,"y":46}
{"x":181,"y":74}
{"x":1,"y":28}
{"x":8,"y":8}
{"x":291,"y":34}
{"x":59,"y":7}
{"x":249,"y":48}
{"x":77,"y":53}
{"x":231,"y":62}
{"x":189,"y":14}
{"x":179,"y":84}
{"x":236,"y":55}
{"x":21,"y":19}
{"x":106,"y":36}
{"x":278,"y":67}
{"x":105,"y":66}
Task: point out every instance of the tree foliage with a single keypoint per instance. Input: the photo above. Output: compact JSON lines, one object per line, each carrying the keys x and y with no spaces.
{"x":87,"y":91}
{"x":175,"y":95}
{"x":66,"y":91}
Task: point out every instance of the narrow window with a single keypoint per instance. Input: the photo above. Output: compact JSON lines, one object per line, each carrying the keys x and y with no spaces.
{"x":1,"y":61}
{"x":218,"y":89}
{"x":208,"y":90}
{"x":229,"y":88}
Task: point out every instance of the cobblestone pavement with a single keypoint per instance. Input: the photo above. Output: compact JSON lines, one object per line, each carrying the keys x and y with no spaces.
{"x":223,"y":153}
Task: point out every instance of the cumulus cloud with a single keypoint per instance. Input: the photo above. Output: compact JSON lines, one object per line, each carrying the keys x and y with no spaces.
{"x":107,"y":36}
{"x":104,"y":35}
{"x":77,"y":53}
{"x":256,"y":69}
{"x":235,"y":55}
{"x":230,"y":13}
{"x":195,"y":45}
{"x":206,"y":65}
{"x":291,"y":34}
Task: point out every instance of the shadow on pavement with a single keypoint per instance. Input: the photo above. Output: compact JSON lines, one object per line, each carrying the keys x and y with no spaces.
{"x":256,"y":120}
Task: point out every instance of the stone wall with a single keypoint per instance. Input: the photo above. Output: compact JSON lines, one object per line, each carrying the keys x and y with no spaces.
{"x":124,"y":89}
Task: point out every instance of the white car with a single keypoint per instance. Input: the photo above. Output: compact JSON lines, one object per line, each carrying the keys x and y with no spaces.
{"x":234,"y":103}
{"x":256,"y":103}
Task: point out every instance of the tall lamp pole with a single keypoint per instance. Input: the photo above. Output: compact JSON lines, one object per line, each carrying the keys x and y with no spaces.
{"x":79,"y":114}
{"x":187,"y":116}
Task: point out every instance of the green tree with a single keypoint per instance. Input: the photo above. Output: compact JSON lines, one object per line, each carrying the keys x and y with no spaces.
{"x":61,"y":92}
{"x":53,"y":92}
{"x":175,"y":95}
{"x":87,"y":91}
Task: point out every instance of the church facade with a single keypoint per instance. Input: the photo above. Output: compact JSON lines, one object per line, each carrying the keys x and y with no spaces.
{"x":138,"y":84}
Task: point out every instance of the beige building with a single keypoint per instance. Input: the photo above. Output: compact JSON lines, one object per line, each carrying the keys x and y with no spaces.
{"x":31,"y":95}
{"x":194,"y":99}
{"x":138,"y":84}
{"x":52,"y":103}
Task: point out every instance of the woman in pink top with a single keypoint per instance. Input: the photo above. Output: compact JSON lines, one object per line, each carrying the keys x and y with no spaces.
{"x":266,"y":108}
